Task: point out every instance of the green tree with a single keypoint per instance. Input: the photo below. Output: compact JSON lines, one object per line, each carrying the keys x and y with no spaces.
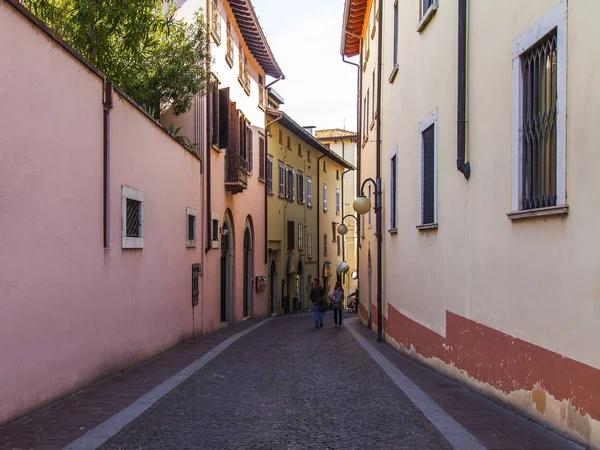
{"x":158,"y":60}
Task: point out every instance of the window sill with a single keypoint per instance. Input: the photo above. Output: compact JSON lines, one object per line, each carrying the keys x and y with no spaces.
{"x":309,"y":206}
{"x":372,"y":124}
{"x":229,"y":60}
{"x":394,"y":73}
{"x":244,"y":86}
{"x":561,"y":210}
{"x":190,"y":244}
{"x":427,"y":17}
{"x":373,"y":30}
{"x":270,"y":193}
{"x":262,"y":106}
{"x":216,"y":148}
{"x":393,"y":231}
{"x":262,"y":180}
{"x":429,"y":226}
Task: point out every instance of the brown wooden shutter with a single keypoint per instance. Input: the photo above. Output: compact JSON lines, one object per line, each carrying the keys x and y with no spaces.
{"x":209,"y":121}
{"x":261,"y":158}
{"x":231,"y":149}
{"x":250,"y":144}
{"x":223,"y":118}
{"x":290,"y":237}
{"x":215,"y":118}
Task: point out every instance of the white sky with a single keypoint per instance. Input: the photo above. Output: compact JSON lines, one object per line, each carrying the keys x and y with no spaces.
{"x":319,"y":88}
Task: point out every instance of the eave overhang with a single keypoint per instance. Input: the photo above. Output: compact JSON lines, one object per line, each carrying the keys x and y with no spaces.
{"x":355,"y":14}
{"x":254,"y":37}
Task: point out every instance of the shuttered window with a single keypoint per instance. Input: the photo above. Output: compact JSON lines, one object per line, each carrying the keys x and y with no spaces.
{"x":223,"y":118}
{"x":290,"y":235}
{"x":261,"y":158}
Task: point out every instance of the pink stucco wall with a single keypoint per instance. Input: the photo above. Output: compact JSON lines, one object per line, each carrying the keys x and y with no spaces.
{"x":73,"y":312}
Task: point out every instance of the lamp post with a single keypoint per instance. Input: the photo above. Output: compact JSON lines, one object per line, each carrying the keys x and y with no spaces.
{"x":342,"y":228}
{"x":362,"y":205}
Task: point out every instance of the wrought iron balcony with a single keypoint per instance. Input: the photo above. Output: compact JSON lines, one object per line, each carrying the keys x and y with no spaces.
{"x":236,"y":173}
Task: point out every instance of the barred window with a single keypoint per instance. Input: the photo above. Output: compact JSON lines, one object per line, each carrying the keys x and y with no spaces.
{"x":132,"y":216}
{"x":428,"y":177}
{"x":539,"y":72}
{"x":191,"y":227}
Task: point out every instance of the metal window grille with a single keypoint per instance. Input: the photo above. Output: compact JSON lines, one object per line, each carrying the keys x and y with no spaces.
{"x":539,"y":124}
{"x":134,"y":218}
{"x":428,"y":187}
{"x":196,"y":270}
{"x":191,"y":228}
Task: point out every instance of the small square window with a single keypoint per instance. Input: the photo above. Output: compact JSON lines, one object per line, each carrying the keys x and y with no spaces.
{"x":191,"y":228}
{"x":132,"y":215}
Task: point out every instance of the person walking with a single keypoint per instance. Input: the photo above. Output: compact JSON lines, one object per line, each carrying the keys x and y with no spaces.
{"x":337,"y":296}
{"x":316,"y":296}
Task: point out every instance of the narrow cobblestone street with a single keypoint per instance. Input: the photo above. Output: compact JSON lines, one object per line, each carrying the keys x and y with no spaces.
{"x":283,"y":385}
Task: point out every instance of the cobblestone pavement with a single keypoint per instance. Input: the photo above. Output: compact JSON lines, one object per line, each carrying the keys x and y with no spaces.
{"x":285,"y":385}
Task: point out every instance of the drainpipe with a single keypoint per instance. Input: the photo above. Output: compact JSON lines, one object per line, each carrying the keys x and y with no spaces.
{"x":208,"y":245}
{"x":282,"y":77}
{"x":319,"y":269}
{"x":107,"y":105}
{"x":378,"y":205}
{"x":358,"y":137}
{"x":461,"y":164}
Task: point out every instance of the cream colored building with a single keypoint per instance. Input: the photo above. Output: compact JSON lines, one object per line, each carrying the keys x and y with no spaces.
{"x":343,"y":143}
{"x":490,"y":273}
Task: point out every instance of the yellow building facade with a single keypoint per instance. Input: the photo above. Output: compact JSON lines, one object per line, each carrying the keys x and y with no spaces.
{"x":304,"y":207}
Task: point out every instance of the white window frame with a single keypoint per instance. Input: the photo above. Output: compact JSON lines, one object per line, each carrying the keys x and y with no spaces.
{"x":281,"y":178}
{"x":309,"y":192}
{"x":324,"y":197}
{"x":338,"y":202}
{"x":430,"y":120}
{"x":190,"y":212}
{"x":309,"y":251}
{"x":300,"y":236}
{"x":215,"y":219}
{"x":556,"y":18}
{"x":131,"y":194}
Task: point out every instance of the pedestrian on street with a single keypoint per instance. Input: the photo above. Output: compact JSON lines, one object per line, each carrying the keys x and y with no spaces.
{"x":316,"y":296}
{"x":337,"y":296}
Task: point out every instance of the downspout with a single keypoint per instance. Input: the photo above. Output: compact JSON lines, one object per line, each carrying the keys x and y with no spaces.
{"x":358,"y":139}
{"x":208,"y":222}
{"x":461,"y":164}
{"x":378,"y":205}
{"x":107,"y":106}
{"x":282,"y":77}
{"x":319,"y":269}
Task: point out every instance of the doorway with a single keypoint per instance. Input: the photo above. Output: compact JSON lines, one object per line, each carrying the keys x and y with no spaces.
{"x":272,"y":286}
{"x":300,"y":286}
{"x":248,"y":273}
{"x":226,"y":273}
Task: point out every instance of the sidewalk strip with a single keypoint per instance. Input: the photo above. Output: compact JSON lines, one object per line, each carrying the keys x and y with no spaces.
{"x":103,"y":432}
{"x":454,"y":433}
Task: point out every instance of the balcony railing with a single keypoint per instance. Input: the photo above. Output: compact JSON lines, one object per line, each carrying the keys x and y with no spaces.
{"x":236,"y":173}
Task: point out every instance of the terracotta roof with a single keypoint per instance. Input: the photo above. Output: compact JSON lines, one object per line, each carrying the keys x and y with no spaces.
{"x":334,"y":133}
{"x":300,"y":132}
{"x":254,"y":37}
{"x":355,"y":14}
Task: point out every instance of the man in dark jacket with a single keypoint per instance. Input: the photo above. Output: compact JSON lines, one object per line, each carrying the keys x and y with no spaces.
{"x":317,"y":297}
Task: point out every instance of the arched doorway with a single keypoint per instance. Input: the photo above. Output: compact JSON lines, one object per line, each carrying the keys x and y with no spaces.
{"x":370,"y":282}
{"x":248,"y":272}
{"x":300,"y":285}
{"x":272,"y":286}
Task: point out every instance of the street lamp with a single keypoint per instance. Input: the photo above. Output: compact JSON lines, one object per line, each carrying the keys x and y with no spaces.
{"x":342,"y":228}
{"x":362,"y":205}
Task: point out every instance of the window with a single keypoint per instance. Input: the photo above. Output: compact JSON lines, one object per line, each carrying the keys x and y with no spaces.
{"x":191,"y":227}
{"x":269,"y":174}
{"x":244,"y":73}
{"x":300,"y":187}
{"x":215,"y":23}
{"x":308,"y":155}
{"x":229,"y":53}
{"x":132,"y":215}
{"x":300,"y":236}
{"x":261,"y":157}
{"x":222,"y":124}
{"x":373,"y":99}
{"x":334,"y":232}
{"x":289,"y":143}
{"x":328,"y":145}
{"x":299,"y":149}
{"x":338,"y":201}
{"x":214,"y":236}
{"x":366,"y":116}
{"x":309,"y":251}
{"x":290,"y":185}
{"x":281,"y":137}
{"x":395,"y":65}
{"x":309,"y":192}
{"x":428,"y":129}
{"x":428,"y":9}
{"x":324,"y":166}
{"x":339,"y":245}
{"x":213,"y":102}
{"x":539,"y":118}
{"x":370,"y":210}
{"x":337,"y":174}
{"x":394,"y":192}
{"x":290,"y":235}
{"x":281,"y":179}
{"x":325,"y":245}
{"x":262,"y":96}
{"x":324,"y":197}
